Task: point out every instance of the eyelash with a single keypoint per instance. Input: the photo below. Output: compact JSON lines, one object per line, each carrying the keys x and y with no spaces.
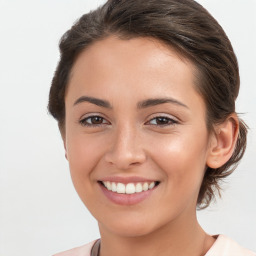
{"x":170,"y":121}
{"x":83,"y":122}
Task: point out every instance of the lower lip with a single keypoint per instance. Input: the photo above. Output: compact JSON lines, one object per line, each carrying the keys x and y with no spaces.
{"x":126,"y":199}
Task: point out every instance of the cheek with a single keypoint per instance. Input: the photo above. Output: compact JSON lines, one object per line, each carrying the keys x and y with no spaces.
{"x":182,"y":158}
{"x":82,"y":150}
{"x":83,"y":153}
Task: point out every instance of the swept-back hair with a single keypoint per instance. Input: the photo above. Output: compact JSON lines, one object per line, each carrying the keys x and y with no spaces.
{"x":183,"y":25}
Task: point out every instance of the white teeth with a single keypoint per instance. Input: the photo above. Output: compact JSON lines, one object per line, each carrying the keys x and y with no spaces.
{"x":145,"y":186}
{"x":138,"y":188}
{"x":114,"y":187}
{"x":151,"y":185}
{"x":109,"y":186}
{"x":129,"y":188}
{"x":120,"y":188}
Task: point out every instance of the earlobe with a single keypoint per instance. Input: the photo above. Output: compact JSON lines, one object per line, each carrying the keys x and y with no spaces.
{"x":65,"y":147}
{"x":223,"y":142}
{"x":66,"y":155}
{"x":63,"y":136}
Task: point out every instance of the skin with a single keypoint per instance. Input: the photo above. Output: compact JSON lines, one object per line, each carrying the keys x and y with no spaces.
{"x":129,"y":141}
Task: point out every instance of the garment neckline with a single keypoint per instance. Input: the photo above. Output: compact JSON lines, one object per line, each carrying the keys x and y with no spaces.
{"x":215,"y":244}
{"x":96,"y":246}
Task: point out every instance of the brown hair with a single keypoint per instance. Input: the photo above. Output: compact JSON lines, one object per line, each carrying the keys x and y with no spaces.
{"x":185,"y":26}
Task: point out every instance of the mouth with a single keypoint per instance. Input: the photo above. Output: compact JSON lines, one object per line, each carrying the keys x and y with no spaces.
{"x":129,"y":188}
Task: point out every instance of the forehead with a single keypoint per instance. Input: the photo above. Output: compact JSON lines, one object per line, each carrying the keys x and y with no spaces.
{"x":142,"y":67}
{"x":145,"y":50}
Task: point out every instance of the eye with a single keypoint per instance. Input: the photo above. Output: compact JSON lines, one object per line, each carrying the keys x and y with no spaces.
{"x":162,"y":121}
{"x":93,"y":121}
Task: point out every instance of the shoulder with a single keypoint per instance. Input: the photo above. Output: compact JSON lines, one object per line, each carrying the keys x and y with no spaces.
{"x":84,"y":250}
{"x":224,"y":246}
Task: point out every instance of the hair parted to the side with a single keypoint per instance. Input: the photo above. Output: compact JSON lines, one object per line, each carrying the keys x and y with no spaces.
{"x":183,"y":25}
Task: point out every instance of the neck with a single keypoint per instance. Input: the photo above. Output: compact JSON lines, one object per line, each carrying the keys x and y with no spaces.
{"x":178,"y":237}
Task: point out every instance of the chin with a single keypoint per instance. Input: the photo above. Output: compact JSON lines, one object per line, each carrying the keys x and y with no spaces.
{"x":129,"y":227}
{"x":130,"y":230}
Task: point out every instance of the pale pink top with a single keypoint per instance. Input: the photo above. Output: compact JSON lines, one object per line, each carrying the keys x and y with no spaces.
{"x":223,"y":246}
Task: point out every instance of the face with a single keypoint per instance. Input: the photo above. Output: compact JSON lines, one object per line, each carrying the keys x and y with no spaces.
{"x":136,"y":137}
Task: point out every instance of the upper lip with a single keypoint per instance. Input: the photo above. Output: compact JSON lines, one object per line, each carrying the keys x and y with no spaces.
{"x":126,"y":180}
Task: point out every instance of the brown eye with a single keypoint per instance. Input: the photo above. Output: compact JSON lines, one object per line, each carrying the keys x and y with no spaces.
{"x":162,"y":121}
{"x":93,"y":121}
{"x":96,"y":120}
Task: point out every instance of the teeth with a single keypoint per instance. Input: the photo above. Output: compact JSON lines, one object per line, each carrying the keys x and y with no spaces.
{"x":151,"y":185}
{"x":120,"y":189}
{"x":109,"y":186}
{"x":129,"y":188}
{"x":138,"y":188}
{"x":145,"y":186}
{"x":114,"y":187}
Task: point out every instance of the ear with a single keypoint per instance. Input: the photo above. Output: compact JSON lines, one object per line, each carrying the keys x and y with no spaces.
{"x":64,"y":143}
{"x":222,"y":142}
{"x":63,"y":136}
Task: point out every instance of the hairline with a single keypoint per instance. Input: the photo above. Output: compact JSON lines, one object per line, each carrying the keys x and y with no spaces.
{"x":197,"y":73}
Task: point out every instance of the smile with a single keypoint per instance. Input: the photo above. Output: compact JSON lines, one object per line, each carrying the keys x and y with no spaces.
{"x":130,"y":188}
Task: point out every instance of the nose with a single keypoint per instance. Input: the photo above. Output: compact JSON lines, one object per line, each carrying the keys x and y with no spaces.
{"x":126,"y":149}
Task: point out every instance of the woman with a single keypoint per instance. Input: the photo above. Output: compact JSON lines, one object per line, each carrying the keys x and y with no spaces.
{"x":144,"y":95}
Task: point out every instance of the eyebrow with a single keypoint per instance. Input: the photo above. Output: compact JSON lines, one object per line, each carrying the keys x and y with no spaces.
{"x":142,"y":104}
{"x":95,"y":101}
{"x":158,"y":101}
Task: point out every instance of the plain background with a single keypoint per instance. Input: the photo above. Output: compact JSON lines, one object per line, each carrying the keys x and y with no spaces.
{"x":40,"y":213}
